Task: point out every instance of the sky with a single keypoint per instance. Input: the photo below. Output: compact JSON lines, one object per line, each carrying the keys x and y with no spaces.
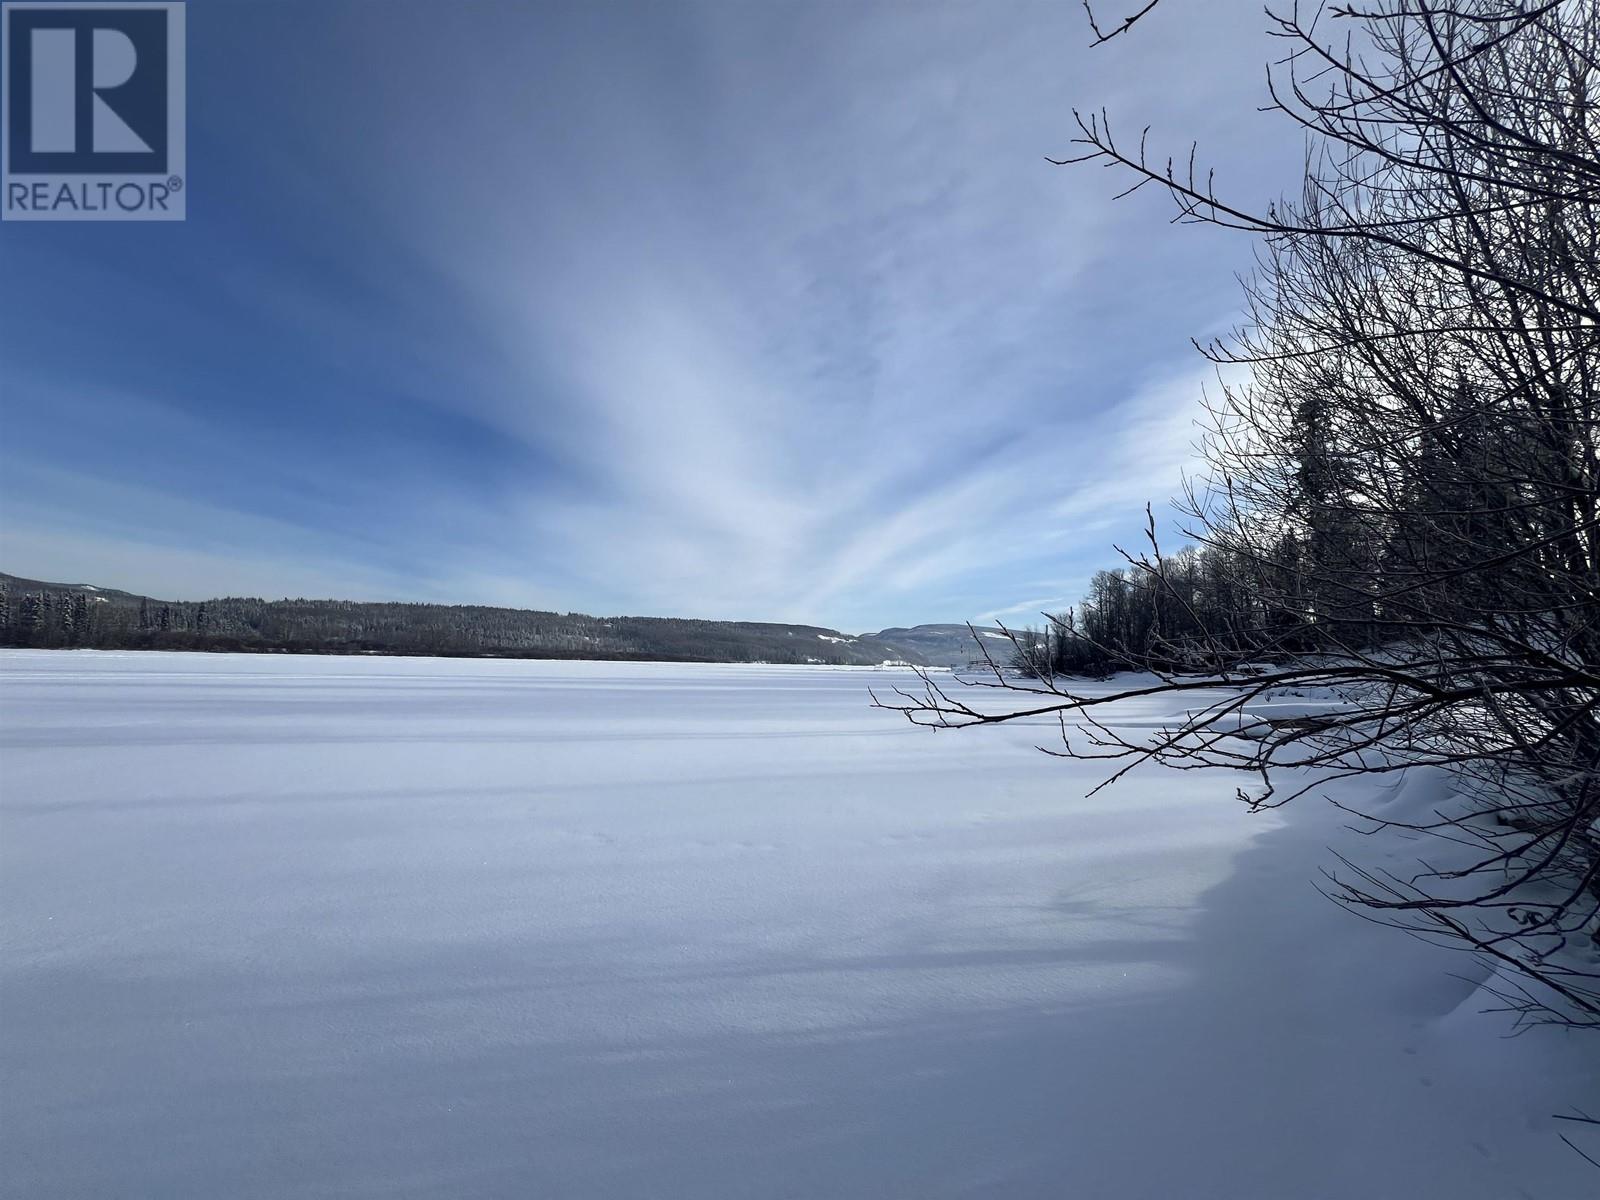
{"x":740,"y":309}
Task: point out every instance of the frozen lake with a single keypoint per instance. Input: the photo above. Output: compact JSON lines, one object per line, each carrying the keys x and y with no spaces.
{"x":313,"y":927}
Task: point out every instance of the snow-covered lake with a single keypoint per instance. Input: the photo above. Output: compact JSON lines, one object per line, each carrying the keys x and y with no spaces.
{"x":319,"y":927}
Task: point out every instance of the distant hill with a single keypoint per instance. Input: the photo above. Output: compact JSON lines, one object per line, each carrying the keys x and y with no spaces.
{"x":946,"y":645}
{"x":18,"y":586}
{"x":39,"y":613}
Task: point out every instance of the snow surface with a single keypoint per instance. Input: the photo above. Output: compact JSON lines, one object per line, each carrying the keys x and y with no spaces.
{"x":292,"y":926}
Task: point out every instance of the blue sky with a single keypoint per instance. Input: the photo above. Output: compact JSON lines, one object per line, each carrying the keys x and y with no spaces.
{"x":744,"y":309}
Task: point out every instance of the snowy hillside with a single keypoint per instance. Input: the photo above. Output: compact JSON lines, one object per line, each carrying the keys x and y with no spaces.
{"x":294,"y":926}
{"x":947,"y":645}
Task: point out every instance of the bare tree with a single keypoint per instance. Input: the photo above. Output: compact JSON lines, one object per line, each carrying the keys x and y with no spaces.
{"x":1402,"y":505}
{"x":1105,"y":34}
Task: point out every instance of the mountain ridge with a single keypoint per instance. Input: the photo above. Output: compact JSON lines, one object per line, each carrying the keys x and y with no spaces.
{"x":48,"y":614}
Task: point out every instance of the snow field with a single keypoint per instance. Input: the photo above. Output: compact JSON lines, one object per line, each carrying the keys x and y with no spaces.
{"x":292,"y":926}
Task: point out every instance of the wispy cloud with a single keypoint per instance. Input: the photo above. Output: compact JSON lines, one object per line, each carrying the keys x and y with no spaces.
{"x":725,"y":310}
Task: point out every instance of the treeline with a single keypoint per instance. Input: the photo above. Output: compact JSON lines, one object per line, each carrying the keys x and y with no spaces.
{"x":1320,"y":585}
{"x":1174,"y":620}
{"x":60,"y":617}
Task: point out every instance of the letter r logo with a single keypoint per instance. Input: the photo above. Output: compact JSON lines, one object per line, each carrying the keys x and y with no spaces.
{"x":93,"y":100}
{"x":87,"y":88}
{"x":113,"y":60}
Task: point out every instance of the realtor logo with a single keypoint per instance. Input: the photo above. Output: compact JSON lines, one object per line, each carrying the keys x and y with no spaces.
{"x":92,"y":112}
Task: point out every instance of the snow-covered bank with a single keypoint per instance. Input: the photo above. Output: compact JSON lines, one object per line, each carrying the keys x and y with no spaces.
{"x":488,"y":928}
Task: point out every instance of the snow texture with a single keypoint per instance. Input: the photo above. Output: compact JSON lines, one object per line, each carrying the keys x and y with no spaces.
{"x":314,"y":927}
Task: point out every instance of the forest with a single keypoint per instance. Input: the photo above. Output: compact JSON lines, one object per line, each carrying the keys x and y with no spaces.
{"x":58,"y":616}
